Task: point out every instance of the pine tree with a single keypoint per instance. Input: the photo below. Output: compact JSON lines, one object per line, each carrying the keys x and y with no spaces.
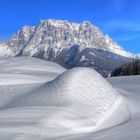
{"x":131,"y":68}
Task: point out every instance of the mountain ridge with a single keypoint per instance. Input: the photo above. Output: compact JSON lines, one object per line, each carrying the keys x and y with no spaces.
{"x":52,"y":39}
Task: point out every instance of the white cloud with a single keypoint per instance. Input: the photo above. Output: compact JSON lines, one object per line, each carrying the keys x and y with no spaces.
{"x":127,"y":37}
{"x":123,"y":30}
{"x":122,"y":25}
{"x":118,"y":5}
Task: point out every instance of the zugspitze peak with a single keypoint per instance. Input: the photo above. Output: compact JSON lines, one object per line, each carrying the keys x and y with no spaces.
{"x":68,"y":44}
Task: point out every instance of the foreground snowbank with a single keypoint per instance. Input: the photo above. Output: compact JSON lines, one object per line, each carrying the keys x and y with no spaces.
{"x":81,"y":98}
{"x":76,"y":101}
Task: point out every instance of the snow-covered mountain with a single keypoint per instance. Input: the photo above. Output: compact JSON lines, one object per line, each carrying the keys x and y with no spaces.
{"x":69,"y":44}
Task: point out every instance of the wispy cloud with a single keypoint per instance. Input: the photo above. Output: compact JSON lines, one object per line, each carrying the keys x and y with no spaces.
{"x":118,"y":5}
{"x":123,"y":30}
{"x":122,"y":25}
{"x":127,"y":37}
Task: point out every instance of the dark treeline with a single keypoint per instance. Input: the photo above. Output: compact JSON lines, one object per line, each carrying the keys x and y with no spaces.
{"x":131,"y":68}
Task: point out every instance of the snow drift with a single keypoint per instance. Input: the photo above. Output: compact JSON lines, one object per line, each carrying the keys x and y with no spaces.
{"x":21,"y":75}
{"x":77,"y":101}
{"x":24,"y":70}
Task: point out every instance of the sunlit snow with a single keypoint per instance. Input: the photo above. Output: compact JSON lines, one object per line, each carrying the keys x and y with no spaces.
{"x":40,"y":100}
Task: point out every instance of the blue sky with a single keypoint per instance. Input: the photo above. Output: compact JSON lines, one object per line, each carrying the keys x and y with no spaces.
{"x":118,"y":18}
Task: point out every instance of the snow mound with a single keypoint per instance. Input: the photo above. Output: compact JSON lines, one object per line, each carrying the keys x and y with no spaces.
{"x":24,"y":70}
{"x":79,"y":100}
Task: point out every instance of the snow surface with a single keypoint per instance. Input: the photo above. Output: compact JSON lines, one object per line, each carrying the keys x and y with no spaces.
{"x":23,"y":70}
{"x":79,"y":95}
{"x":56,"y":103}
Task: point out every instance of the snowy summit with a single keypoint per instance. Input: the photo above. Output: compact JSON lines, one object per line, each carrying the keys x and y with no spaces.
{"x":67,"y":43}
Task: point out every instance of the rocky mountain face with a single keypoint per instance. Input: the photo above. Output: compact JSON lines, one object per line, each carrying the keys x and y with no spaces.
{"x":69,"y":44}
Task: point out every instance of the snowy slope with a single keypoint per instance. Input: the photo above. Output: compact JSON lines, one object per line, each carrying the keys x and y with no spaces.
{"x":23,"y":70}
{"x":125,"y":131}
{"x":57,"y":103}
{"x":79,"y":95}
{"x":22,"y":75}
{"x":127,"y":86}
